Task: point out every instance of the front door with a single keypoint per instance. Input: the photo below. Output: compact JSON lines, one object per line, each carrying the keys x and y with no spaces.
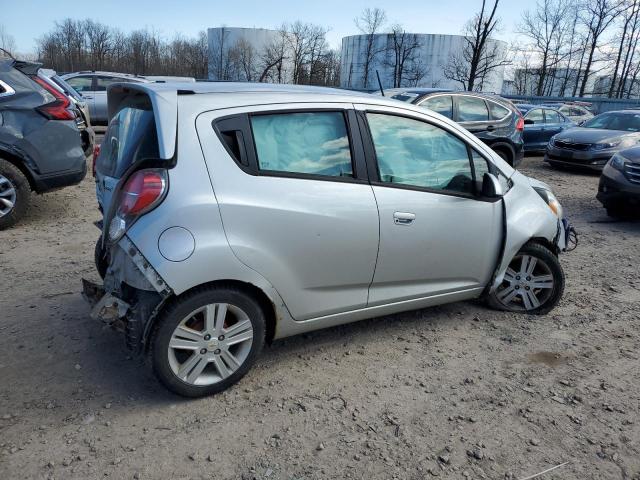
{"x":437,"y":235}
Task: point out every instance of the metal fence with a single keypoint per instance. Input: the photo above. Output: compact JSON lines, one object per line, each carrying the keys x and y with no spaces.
{"x":598,"y":104}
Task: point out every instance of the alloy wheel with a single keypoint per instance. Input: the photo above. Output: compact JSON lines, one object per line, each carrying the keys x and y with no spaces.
{"x":210,"y":344}
{"x":8,"y":196}
{"x":528,"y":283}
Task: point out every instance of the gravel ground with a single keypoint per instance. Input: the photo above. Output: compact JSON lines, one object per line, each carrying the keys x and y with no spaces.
{"x":457,"y":391}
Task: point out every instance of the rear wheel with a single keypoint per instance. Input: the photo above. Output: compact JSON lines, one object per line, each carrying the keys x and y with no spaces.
{"x":503,"y":155}
{"x":15,"y":194}
{"x":206,"y":341}
{"x":533,"y":282}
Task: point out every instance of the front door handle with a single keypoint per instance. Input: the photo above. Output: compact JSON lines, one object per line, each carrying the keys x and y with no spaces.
{"x":403,"y":218}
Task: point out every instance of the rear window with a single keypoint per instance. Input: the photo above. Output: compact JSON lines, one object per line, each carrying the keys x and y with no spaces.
{"x":472,"y":109}
{"x":308,"y":143}
{"x":498,"y":112}
{"x":130,"y":138}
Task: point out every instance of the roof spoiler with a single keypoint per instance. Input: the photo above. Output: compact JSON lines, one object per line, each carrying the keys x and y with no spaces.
{"x":28,"y":68}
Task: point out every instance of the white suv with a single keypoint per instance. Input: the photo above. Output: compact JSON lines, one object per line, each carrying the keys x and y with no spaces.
{"x":236,"y":214}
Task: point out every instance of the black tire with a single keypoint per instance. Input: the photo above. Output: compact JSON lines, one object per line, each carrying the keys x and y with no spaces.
{"x":101,"y":258}
{"x":546,"y":257}
{"x":503,"y":155}
{"x":20,"y":185}
{"x":175,"y":313}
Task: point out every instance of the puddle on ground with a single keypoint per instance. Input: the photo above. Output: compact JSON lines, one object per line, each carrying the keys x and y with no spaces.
{"x":551,"y":359}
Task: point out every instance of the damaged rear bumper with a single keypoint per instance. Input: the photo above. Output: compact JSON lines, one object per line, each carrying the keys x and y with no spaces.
{"x":131,"y":296}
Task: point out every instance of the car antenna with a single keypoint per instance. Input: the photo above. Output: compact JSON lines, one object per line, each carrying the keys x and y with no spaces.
{"x":380,"y":83}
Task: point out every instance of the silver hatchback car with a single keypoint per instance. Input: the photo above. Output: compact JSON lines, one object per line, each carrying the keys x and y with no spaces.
{"x":235,"y":214}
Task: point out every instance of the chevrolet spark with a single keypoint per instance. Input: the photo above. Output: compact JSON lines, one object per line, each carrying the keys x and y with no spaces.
{"x":236,"y":214}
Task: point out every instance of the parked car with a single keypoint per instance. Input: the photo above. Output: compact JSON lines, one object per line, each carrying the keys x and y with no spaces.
{"x":494,"y":120}
{"x":272,"y":210}
{"x":92,"y":85}
{"x":592,"y":144}
{"x":40,"y":144}
{"x":540,"y":124}
{"x":83,"y":119}
{"x":578,"y":114}
{"x":619,"y":189}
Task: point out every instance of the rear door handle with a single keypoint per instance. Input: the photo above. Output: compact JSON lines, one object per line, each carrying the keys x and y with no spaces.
{"x":403,"y":218}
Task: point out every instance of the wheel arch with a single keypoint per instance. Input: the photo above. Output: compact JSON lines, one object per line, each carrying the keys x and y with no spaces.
{"x":265,"y":303}
{"x":505,"y":148}
{"x":20,"y":163}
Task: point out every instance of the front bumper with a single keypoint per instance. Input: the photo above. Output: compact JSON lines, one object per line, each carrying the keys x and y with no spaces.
{"x":616,"y":189}
{"x":592,"y":160}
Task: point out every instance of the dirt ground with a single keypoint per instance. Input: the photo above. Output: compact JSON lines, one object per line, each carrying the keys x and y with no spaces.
{"x":457,"y":391}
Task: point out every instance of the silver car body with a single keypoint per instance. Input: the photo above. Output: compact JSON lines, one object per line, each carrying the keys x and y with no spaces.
{"x":323,"y":252}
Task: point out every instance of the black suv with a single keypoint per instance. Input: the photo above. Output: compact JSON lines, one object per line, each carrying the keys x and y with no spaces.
{"x":494,"y":120}
{"x":40,"y":144}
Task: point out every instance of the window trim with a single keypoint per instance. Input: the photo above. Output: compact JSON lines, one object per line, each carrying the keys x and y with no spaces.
{"x":372,"y":160}
{"x":358,"y":162}
{"x":7,"y":90}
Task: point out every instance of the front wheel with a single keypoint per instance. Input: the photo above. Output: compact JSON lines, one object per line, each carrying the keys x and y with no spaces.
{"x":533,"y":282}
{"x":207,"y":340}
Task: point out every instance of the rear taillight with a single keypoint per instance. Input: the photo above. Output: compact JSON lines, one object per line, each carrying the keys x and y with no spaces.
{"x":59,"y":108}
{"x":520,"y":124}
{"x":142,"y":192}
{"x":96,"y":152}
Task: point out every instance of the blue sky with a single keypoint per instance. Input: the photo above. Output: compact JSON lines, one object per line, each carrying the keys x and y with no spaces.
{"x":27,"y":20}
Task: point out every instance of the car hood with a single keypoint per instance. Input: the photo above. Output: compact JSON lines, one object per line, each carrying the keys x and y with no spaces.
{"x":595,"y":135}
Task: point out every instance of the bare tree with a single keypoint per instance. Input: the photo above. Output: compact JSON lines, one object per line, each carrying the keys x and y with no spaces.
{"x":370,"y":23}
{"x":402,"y":51}
{"x":272,"y":59}
{"x":99,"y":43}
{"x":598,"y":16}
{"x":7,"y":42}
{"x":546,"y":27}
{"x":480,"y":56}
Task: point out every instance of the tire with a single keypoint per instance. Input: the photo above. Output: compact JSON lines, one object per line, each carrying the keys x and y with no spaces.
{"x":206,"y":365}
{"x":617,"y":211}
{"x":517,"y":292}
{"x":15,"y":194}
{"x":101,"y":258}
{"x":503,"y":155}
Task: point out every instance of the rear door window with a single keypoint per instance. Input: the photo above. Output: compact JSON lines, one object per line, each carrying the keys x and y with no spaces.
{"x":305,"y":143}
{"x":536,"y":116}
{"x":472,"y":109}
{"x":442,"y":104}
{"x":130,"y":138}
{"x":552,"y":116}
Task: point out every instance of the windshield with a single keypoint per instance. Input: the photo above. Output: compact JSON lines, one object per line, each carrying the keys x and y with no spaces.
{"x":131,"y":137}
{"x":626,"y":122}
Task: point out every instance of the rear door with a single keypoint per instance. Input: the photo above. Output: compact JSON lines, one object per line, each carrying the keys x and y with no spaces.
{"x":554,"y":123}
{"x":295,"y":201}
{"x":473,"y":114}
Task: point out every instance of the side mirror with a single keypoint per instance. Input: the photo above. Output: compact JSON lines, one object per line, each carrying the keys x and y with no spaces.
{"x":528,"y":121}
{"x":491,"y":187}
